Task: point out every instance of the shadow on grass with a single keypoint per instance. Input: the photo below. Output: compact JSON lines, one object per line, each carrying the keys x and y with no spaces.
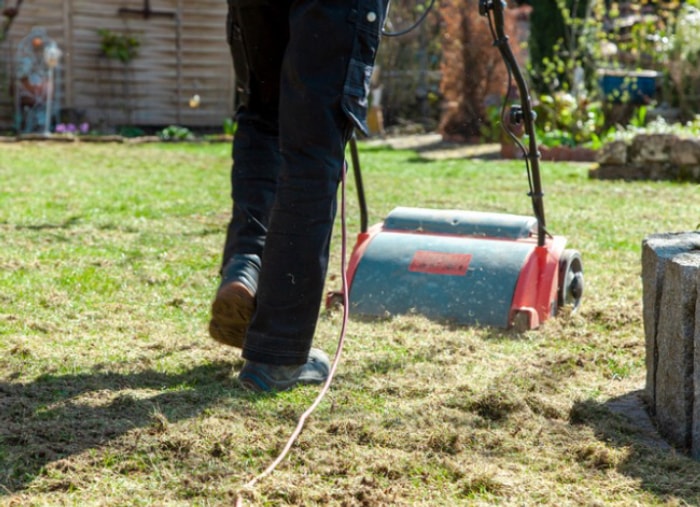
{"x":623,"y":423}
{"x":419,"y":160}
{"x":66,"y":224}
{"x":57,"y":416}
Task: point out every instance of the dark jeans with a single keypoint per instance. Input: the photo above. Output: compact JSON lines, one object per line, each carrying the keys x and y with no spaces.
{"x":303,"y":70}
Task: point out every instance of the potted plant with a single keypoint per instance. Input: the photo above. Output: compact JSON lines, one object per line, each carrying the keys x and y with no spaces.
{"x":634,"y":52}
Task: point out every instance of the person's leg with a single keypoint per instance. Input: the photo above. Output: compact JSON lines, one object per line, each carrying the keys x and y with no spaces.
{"x":324,"y":82}
{"x":257,"y":34}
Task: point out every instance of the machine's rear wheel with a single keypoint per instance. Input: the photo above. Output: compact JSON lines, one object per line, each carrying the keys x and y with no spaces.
{"x":570,"y":280}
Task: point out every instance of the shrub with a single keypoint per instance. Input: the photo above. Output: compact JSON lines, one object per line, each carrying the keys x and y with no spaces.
{"x":176,"y":133}
{"x":684,"y":59}
{"x":561,"y":32}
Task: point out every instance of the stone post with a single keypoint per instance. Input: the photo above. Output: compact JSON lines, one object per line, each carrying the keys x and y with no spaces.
{"x":671,"y":285}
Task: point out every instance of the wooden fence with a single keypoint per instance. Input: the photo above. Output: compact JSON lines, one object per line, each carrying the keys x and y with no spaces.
{"x":182,"y":52}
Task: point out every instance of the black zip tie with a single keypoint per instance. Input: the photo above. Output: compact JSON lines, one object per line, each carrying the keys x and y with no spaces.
{"x":501,"y":42}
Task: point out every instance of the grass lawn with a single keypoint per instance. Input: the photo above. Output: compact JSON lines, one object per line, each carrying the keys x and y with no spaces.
{"x":111,"y":392}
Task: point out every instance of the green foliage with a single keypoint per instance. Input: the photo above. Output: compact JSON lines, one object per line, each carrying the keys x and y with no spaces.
{"x":491,"y":130}
{"x":176,"y":133}
{"x":639,"y":120}
{"x":131,"y":131}
{"x":573,"y":41}
{"x":118,"y":46}
{"x":564,"y":120}
{"x":690,"y":129}
{"x":556,"y":31}
{"x":562,"y":42}
{"x":546,"y":31}
{"x":684,"y":58}
{"x":230,"y":126}
{"x":663,"y":38}
{"x":685,"y":44}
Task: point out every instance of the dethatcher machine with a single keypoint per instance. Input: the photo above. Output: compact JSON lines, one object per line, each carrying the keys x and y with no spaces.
{"x":467,"y":267}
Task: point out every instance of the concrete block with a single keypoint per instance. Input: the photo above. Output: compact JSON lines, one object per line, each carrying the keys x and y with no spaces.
{"x":671,"y":282}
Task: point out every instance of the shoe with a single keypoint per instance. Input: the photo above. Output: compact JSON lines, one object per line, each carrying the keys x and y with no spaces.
{"x":260,"y":377}
{"x":234,"y":303}
{"x":231,"y":312}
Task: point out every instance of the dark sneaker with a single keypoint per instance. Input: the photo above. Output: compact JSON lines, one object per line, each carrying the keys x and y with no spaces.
{"x":231,"y":312}
{"x":260,"y":377}
{"x":234,"y":303}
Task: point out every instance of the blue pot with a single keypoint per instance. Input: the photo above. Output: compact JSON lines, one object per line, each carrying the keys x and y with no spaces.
{"x":633,"y":87}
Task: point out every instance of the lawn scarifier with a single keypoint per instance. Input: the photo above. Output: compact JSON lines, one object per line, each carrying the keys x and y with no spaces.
{"x":469,"y":267}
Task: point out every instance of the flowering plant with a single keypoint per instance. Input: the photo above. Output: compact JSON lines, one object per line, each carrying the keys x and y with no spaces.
{"x":70,"y":128}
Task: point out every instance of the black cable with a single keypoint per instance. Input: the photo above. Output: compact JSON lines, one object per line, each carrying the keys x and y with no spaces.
{"x":413,"y":26}
{"x":358,"y":182}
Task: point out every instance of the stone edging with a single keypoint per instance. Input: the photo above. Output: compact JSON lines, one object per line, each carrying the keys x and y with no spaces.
{"x":650,"y":157}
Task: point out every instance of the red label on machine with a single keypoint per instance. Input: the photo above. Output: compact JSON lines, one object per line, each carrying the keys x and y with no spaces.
{"x":440,"y":263}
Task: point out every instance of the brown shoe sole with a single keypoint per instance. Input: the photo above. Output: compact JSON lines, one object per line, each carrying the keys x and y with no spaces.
{"x":231,"y":312}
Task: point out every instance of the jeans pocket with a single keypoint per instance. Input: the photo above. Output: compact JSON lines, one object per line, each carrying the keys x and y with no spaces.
{"x":369,"y":19}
